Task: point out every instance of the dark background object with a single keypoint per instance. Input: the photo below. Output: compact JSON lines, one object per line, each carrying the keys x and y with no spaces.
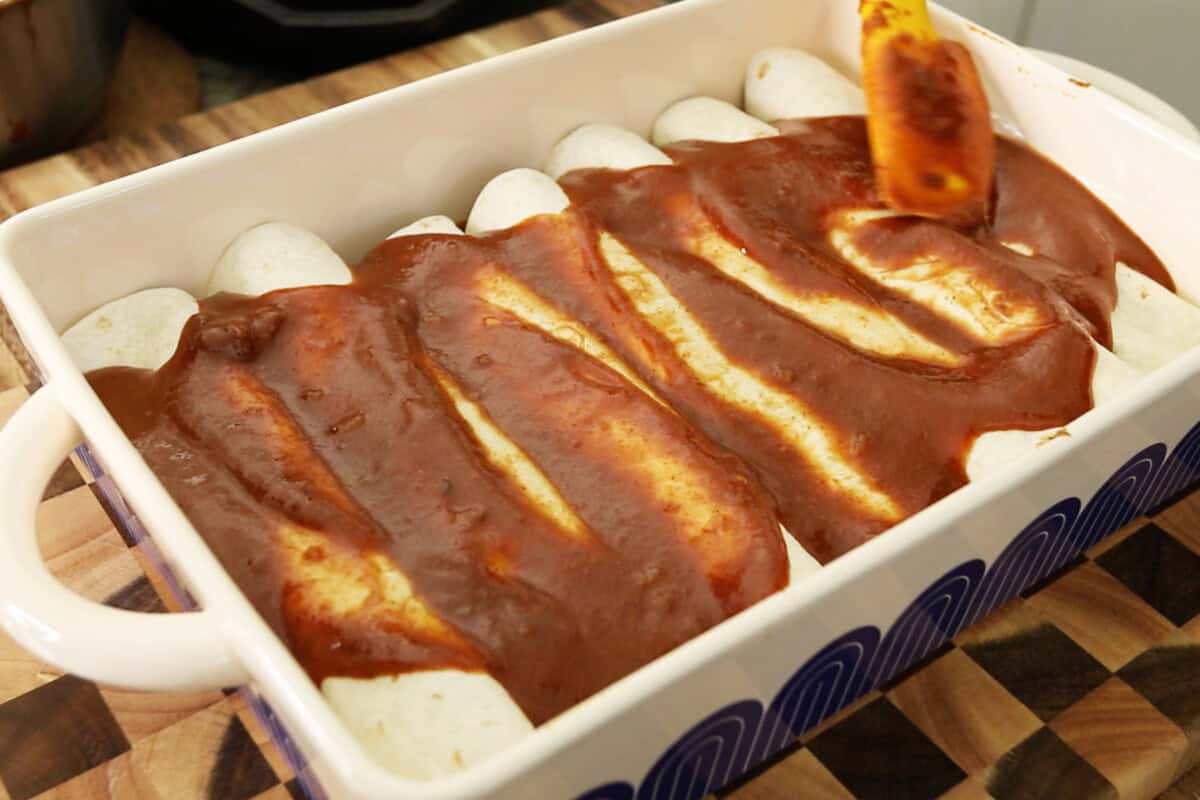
{"x":56,"y":58}
{"x":293,"y":39}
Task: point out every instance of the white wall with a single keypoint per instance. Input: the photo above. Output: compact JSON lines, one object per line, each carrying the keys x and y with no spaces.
{"x":1002,"y":16}
{"x":1150,"y":42}
{"x":1154,"y":43}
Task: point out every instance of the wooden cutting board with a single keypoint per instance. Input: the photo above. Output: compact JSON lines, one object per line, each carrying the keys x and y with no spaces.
{"x":1088,"y":687}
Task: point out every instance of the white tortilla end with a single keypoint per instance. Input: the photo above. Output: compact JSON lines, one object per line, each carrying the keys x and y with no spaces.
{"x":602,"y":147}
{"x":800,"y":563}
{"x":994,"y":449}
{"x":1111,"y":376}
{"x":512,"y":197}
{"x":783,"y":83}
{"x":140,"y":330}
{"x":435,"y":224}
{"x":275,"y":256}
{"x":708,"y":119}
{"x":425,"y":725}
{"x":1151,"y":325}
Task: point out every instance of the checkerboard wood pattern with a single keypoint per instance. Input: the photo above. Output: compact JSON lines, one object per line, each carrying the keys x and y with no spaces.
{"x":1086,"y":687}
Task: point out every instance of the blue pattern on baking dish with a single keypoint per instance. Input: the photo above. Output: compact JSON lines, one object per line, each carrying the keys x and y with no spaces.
{"x":740,"y":736}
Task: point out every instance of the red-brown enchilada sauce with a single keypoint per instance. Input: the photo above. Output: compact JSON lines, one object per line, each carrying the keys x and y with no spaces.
{"x":325,"y":441}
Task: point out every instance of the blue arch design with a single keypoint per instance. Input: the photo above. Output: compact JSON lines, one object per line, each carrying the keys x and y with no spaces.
{"x":1179,"y":471}
{"x":741,"y":735}
{"x":1043,"y":546}
{"x":617,"y":790}
{"x":937,"y":614}
{"x":826,"y":683}
{"x":1121,"y":499}
{"x":715,"y":751}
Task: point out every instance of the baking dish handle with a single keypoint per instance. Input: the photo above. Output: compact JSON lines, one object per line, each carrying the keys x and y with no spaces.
{"x":124,"y":648}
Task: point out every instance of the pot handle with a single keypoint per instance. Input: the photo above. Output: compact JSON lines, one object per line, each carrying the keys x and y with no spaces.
{"x":160,"y":652}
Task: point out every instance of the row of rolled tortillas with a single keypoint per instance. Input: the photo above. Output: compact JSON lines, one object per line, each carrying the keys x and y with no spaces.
{"x":427,"y":724}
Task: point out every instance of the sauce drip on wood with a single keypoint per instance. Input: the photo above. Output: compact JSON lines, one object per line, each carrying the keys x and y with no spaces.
{"x":559,"y":451}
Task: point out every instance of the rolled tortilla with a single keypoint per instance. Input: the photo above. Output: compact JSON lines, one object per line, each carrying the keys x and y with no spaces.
{"x":513,"y":197}
{"x":425,"y":725}
{"x":736,"y":385}
{"x":435,"y":224}
{"x":1151,"y":325}
{"x":275,"y":256}
{"x":140,"y":330}
{"x":800,"y":563}
{"x":709,"y":119}
{"x":852,"y":321}
{"x":420,"y":724}
{"x":428,"y":724}
{"x":991,"y":450}
{"x":602,"y":146}
{"x":784,"y":83}
{"x":1149,"y":301}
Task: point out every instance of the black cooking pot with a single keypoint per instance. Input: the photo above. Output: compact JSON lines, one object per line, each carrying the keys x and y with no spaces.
{"x":56,"y":59}
{"x":311,"y":36}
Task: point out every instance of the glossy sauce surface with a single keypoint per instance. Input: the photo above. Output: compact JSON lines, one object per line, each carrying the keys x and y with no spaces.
{"x":557,"y":452}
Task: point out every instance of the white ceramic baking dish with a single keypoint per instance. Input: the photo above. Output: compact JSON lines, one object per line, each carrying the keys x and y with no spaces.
{"x":705,"y":713}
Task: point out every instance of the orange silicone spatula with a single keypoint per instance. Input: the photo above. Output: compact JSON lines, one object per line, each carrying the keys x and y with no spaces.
{"x":927,"y":116}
